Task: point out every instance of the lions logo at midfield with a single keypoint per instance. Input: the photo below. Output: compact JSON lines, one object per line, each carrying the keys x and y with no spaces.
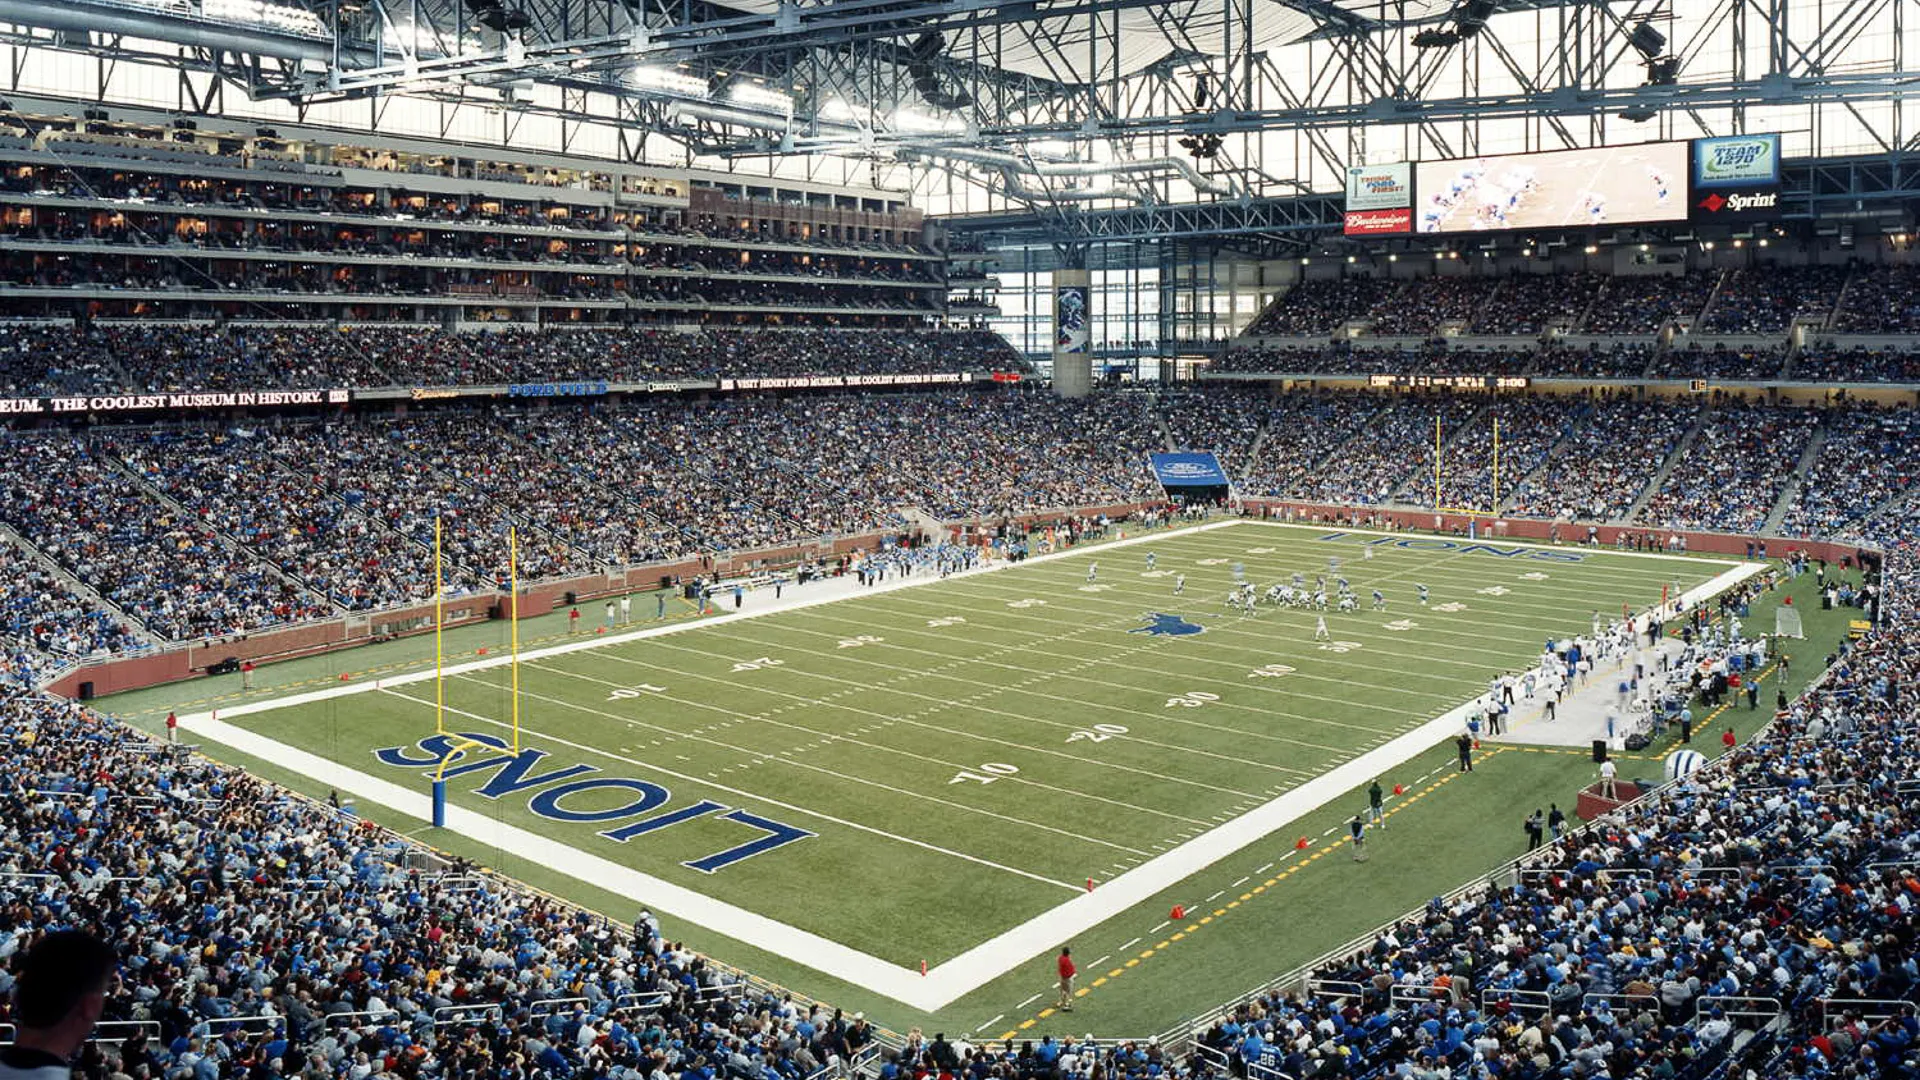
{"x":1169,"y":625}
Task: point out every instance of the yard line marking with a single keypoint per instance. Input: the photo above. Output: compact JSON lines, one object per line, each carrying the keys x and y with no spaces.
{"x":1214,"y":897}
{"x":1100,"y":961}
{"x":1029,"y":1001}
{"x":837,"y":737}
{"x":1121,"y":658}
{"x":974,"y":706}
{"x":997,"y":1019}
{"x":1164,"y":923}
{"x":744,"y":794}
{"x":784,"y":760}
{"x":1131,"y":944}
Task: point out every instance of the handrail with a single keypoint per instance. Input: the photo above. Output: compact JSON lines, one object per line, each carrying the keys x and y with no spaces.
{"x":1329,"y":988}
{"x":552,"y":1006}
{"x":1856,"y":1005}
{"x":1632,"y":1000}
{"x":1740,"y":1005}
{"x":1524,"y":998}
{"x":352,"y":1017}
{"x":1417,"y":993}
{"x":266,"y":1020}
{"x":104,"y":1031}
{"x":469,"y":1013}
{"x":645,"y":1001}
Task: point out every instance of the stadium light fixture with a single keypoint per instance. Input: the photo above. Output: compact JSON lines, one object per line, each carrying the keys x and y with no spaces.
{"x":1304,"y":260}
{"x":1762,"y":241}
{"x":1593,"y":249}
{"x":1350,"y":258}
{"x":905,"y":119}
{"x":1393,"y":258}
{"x":673,"y":81}
{"x":1639,"y":114}
{"x":757,"y":96}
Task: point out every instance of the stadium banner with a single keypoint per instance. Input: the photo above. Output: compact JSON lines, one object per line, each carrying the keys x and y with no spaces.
{"x":1380,"y":187}
{"x":1644,"y":183}
{"x":191,"y":401}
{"x":1188,"y":469}
{"x":793,"y":382}
{"x":1736,"y":178}
{"x":584,"y":388}
{"x":1070,"y":319}
{"x":1379,"y":200}
{"x":1736,"y":161}
{"x":1378,"y":222}
{"x":1449,"y":382}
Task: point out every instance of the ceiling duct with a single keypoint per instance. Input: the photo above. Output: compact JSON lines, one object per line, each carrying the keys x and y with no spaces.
{"x":1011,"y":163}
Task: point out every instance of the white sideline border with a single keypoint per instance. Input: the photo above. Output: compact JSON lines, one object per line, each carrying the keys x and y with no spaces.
{"x":962,"y":974}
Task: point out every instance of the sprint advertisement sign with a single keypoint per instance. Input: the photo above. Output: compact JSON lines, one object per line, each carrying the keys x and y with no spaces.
{"x":1736,"y":178}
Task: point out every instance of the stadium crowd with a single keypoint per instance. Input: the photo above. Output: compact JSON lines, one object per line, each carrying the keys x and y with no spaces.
{"x":1756,"y":916}
{"x":1607,"y":461}
{"x":261,"y":934}
{"x":196,"y":531}
{"x":1753,"y":920}
{"x":1767,"y":300}
{"x":1732,"y":474}
{"x":37,"y":359}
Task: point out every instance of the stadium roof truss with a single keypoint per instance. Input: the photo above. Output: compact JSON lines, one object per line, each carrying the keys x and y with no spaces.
{"x":1094,"y":118}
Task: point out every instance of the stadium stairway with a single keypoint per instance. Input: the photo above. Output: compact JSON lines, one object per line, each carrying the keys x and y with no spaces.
{"x":920,"y":519}
{"x":1680,"y":450}
{"x":1407,"y":491}
{"x":1166,"y":431}
{"x":1791,"y":489}
{"x":74,"y":585}
{"x":1551,"y":457}
{"x":253,"y":554}
{"x":1713,"y":297}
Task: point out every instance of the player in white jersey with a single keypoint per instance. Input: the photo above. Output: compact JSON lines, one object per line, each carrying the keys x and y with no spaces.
{"x":1151,"y":559}
{"x":1320,"y":600}
{"x":1379,"y":601}
{"x":1423,"y":594}
{"x":1320,"y":629}
{"x":1179,"y":584}
{"x":1093,"y":568}
{"x":1347,"y":602}
{"x":1367,"y":552}
{"x":1276,"y":593}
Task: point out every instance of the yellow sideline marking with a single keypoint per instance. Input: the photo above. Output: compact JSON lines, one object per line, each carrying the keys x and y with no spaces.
{"x":1221,"y":913}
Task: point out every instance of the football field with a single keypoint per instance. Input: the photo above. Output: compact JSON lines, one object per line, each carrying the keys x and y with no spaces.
{"x":964,"y":772}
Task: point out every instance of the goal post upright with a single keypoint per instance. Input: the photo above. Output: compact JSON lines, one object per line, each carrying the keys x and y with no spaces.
{"x":439,"y":626}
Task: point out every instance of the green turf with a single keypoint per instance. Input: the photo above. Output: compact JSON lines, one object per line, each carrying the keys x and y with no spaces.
{"x":860,"y":742}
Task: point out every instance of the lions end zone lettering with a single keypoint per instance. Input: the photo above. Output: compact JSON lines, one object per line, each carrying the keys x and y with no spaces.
{"x":1434,"y":543}
{"x":514,"y":773}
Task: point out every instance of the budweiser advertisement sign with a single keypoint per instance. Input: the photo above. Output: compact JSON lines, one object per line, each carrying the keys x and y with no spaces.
{"x":1378,"y":222}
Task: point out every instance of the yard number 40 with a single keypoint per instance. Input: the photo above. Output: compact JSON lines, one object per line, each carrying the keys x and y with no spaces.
{"x":991,"y":771}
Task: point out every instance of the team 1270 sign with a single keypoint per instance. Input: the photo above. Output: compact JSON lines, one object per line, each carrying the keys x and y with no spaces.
{"x":1736,"y":178}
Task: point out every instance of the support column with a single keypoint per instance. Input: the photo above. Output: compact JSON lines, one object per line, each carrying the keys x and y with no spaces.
{"x":1072,"y":333}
